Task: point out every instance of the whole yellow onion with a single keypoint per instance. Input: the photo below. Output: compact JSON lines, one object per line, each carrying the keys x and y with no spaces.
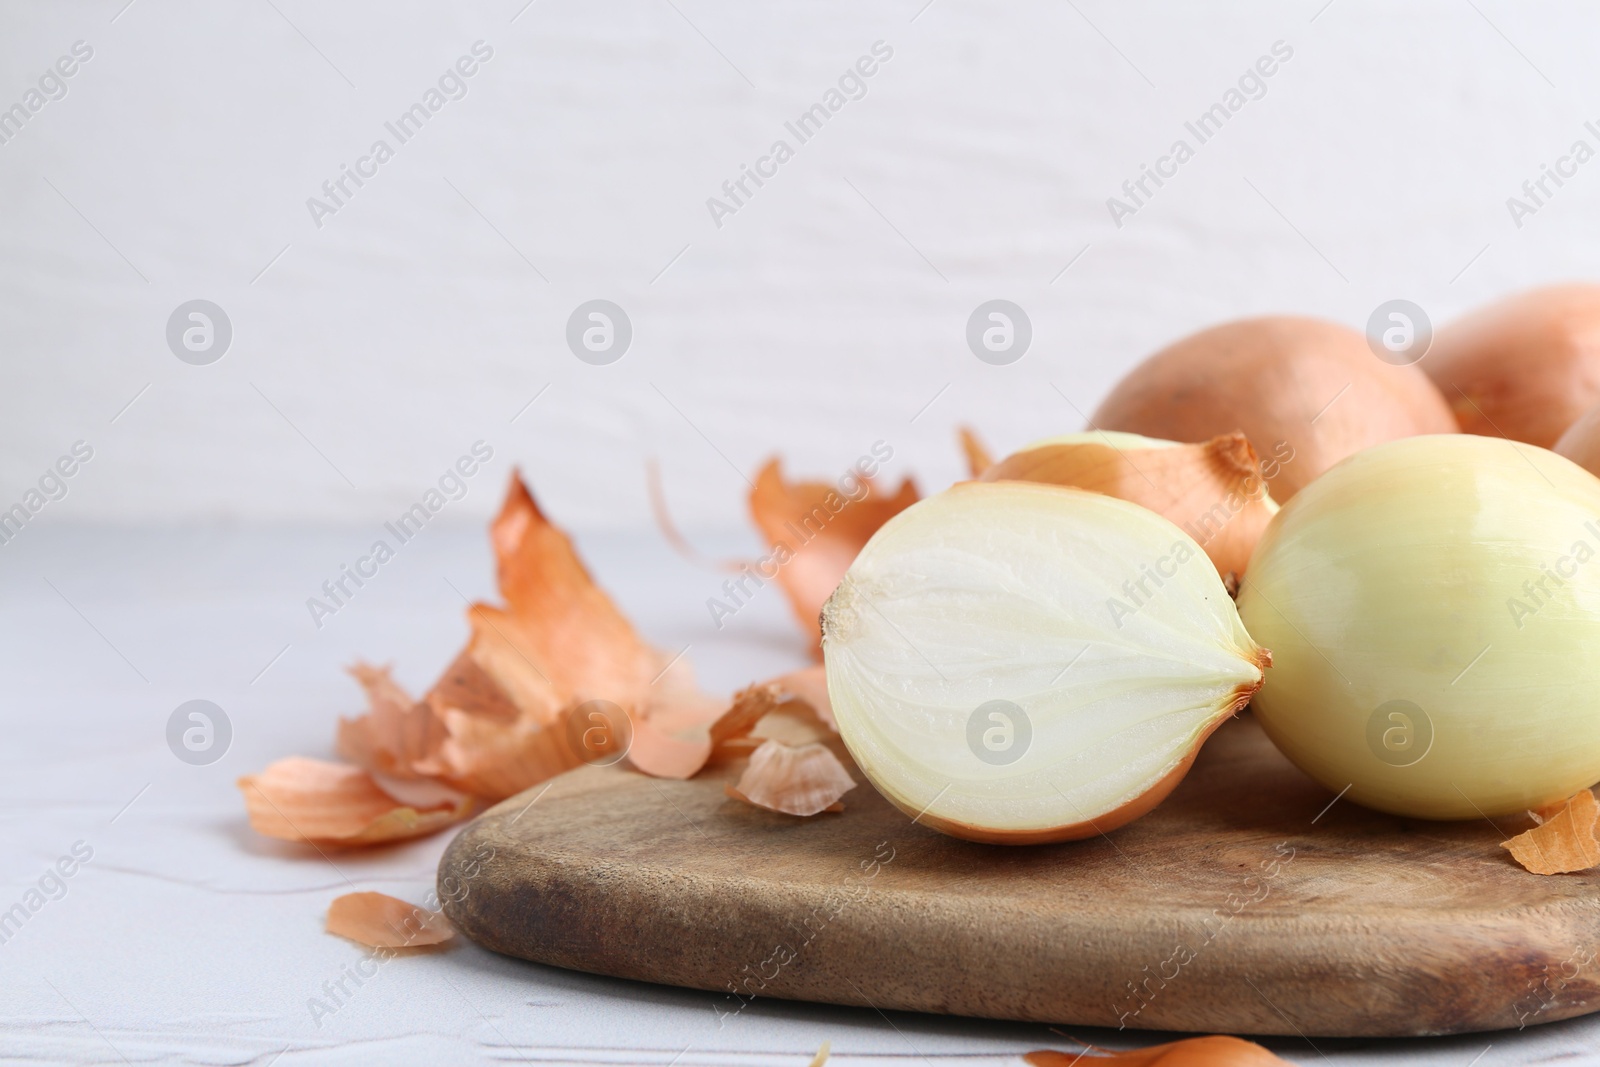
{"x":1433,"y":608}
{"x":1304,"y":392}
{"x":1525,"y":367}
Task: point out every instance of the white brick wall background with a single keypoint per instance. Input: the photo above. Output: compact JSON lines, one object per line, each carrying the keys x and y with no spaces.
{"x":823,"y":315}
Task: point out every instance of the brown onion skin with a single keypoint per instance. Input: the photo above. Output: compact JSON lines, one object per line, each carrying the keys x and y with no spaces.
{"x":1581,"y":442}
{"x":1269,"y":378}
{"x":1187,"y":484}
{"x":1525,"y":367}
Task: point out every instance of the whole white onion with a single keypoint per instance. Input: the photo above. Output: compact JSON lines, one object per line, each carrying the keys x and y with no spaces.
{"x":1433,"y":609}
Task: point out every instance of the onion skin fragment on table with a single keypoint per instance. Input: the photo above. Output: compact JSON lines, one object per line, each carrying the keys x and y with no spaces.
{"x":1211,"y":1051}
{"x":1563,"y":841}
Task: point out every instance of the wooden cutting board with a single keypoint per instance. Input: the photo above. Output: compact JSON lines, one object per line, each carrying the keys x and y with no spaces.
{"x":1250,"y":902}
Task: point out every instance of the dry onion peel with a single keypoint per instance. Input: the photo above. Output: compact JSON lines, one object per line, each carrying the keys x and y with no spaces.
{"x":1306,"y":393}
{"x":466,"y":687}
{"x":1215,"y":491}
{"x":1030,"y":595}
{"x":792,"y":708}
{"x":512,"y":709}
{"x":500,"y":718}
{"x":663,"y":754}
{"x":1563,"y":842}
{"x":395,"y":734}
{"x":796,"y":781}
{"x":1212,"y":1051}
{"x":801,"y":695}
{"x":322,"y":803}
{"x":1433,"y":607}
{"x":815,"y":532}
{"x":423,"y":794}
{"x":378,"y":920}
{"x":808,"y":686}
{"x":559,"y":644}
{"x":495,"y":759}
{"x":732,"y":730}
{"x":979,"y":458}
{"x":560,"y":620}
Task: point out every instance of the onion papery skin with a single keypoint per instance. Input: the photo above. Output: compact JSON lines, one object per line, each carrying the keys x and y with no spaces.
{"x":1395,"y":585}
{"x":1003,"y":591}
{"x":1215,"y":491}
{"x":1525,"y":367}
{"x":1307,"y":393}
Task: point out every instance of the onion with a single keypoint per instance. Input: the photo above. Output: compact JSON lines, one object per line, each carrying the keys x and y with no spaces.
{"x":1433,"y":607}
{"x":1015,"y":663}
{"x":1306,"y":393}
{"x":1216,"y":491}
{"x":1523,"y":368}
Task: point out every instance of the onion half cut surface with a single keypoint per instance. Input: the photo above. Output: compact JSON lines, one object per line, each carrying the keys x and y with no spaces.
{"x":1019,"y":663}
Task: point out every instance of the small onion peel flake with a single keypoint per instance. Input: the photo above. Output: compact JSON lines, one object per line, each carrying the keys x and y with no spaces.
{"x":795,"y":705}
{"x":661,"y":753}
{"x":796,"y":781}
{"x":378,"y":920}
{"x":1563,"y":842}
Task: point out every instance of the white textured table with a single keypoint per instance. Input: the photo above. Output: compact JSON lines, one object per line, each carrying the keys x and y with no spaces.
{"x":188,"y":939}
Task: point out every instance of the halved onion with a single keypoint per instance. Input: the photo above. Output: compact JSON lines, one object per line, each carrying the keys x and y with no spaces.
{"x":1017,"y":663}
